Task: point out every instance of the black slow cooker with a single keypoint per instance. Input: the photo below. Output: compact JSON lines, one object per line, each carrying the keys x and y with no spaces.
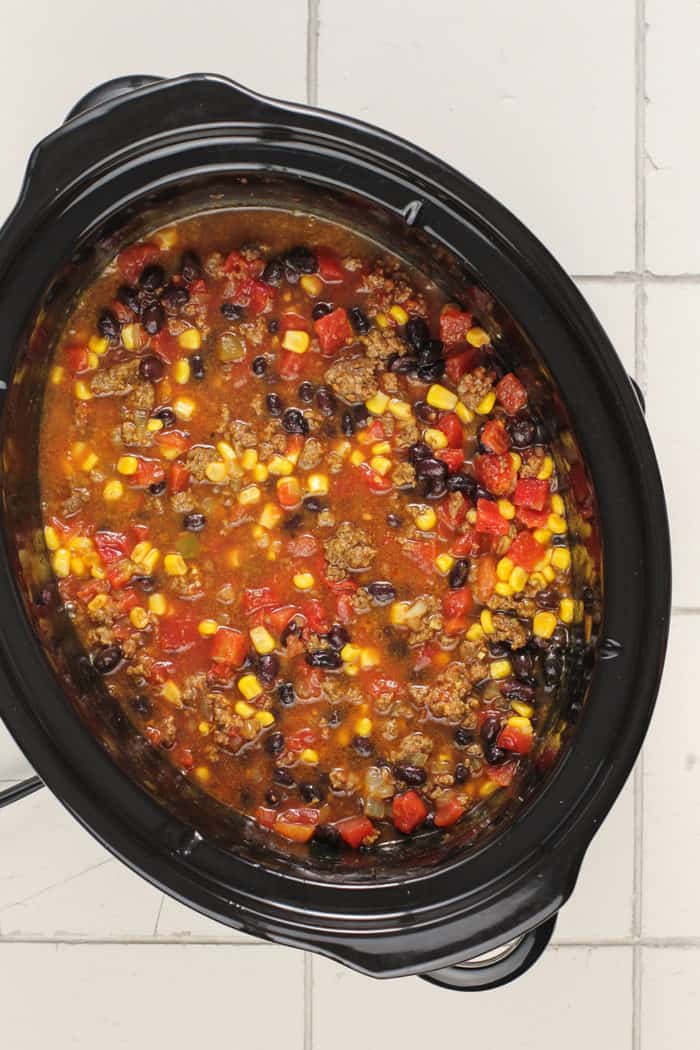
{"x":138,"y":152}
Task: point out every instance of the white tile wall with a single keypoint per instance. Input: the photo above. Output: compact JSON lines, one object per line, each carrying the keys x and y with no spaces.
{"x":584,"y":123}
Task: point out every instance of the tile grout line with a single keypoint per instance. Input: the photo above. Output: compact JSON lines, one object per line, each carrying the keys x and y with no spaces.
{"x":313,"y":25}
{"x":177,"y":941}
{"x":308,"y":1001}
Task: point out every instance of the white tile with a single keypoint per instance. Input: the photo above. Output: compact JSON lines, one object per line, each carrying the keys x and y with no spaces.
{"x":613,"y":305}
{"x":52,"y":54}
{"x":573,"y":997}
{"x":176,"y":920}
{"x":13,"y":764}
{"x":56,"y":880}
{"x":671,"y":790}
{"x":534,"y":104}
{"x":601,"y":905}
{"x":673,"y":378}
{"x":119,"y":997}
{"x":670,"y":979}
{"x":672,"y":140}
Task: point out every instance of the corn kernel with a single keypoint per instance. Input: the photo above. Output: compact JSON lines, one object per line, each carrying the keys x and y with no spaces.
{"x":82,"y":391}
{"x":280,"y":466}
{"x":578,"y":611}
{"x":363,"y":727}
{"x":243,"y":710}
{"x":89,"y":462}
{"x":60,"y":562}
{"x":248,"y":459}
{"x":504,"y":589}
{"x":542,"y":536}
{"x":140,"y":551}
{"x":549,"y":573}
{"x":486,"y":620}
{"x":499,"y":668}
{"x":204,"y":728}
{"x":567,"y":609}
{"x":57,"y":374}
{"x":398,"y":314}
{"x":264,"y":718}
{"x":397,"y":613}
{"x":464,"y":414}
{"x":271,"y":516}
{"x":182,"y":371}
{"x":486,"y":404}
{"x":296,"y":340}
{"x":260,"y":472}
{"x":262,"y":640}
{"x":127,"y":465}
{"x":303,"y":581}
{"x":350,"y":654}
{"x":369,"y":658}
{"x":98,"y":344}
{"x":351,"y":669}
{"x":471,"y":517}
{"x":544,"y":624}
{"x":518,"y":578}
{"x":249,"y":495}
{"x":311,"y":285}
{"x":558,"y":504}
{"x":51,"y":538}
{"x":166,"y":239}
{"x":202,"y":774}
{"x":171,"y":693}
{"x":151,"y":560}
{"x":556,"y":523}
{"x":439,"y":396}
{"x":381,"y":448}
{"x":249,"y":686}
{"x":97,"y":603}
{"x":207,"y":628}
{"x":561,"y":558}
{"x":381,"y":464}
{"x":139,"y":617}
{"x":475,"y":633}
{"x":477,"y":337}
{"x":174,"y":565}
{"x":426,"y":520}
{"x":504,"y":568}
{"x":546,"y":469}
{"x":443,"y":563}
{"x":400,"y":409}
{"x":97,"y":572}
{"x":506,"y":509}
{"x":190,"y":339}
{"x":184,"y":407}
{"x":317,"y":484}
{"x":77,"y":566}
{"x":378,"y":404}
{"x":524,"y":710}
{"x":216,"y":471}
{"x":518,"y":722}
{"x":356,"y":457}
{"x":113,"y":490}
{"x":488,"y":788}
{"x":382,"y":320}
{"x":342,"y":448}
{"x":132,"y":336}
{"x":309,"y":756}
{"x":435,"y":438}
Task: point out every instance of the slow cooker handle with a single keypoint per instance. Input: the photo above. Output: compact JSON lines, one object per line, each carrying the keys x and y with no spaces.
{"x":111,"y":89}
{"x":479,"y":977}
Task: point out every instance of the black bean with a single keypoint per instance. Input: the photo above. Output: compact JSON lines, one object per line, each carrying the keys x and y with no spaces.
{"x":560,"y":637}
{"x":273,"y":273}
{"x":142,"y":706}
{"x":552,"y":667}
{"x":321,"y":310}
{"x":419,"y":450}
{"x":313,"y":504}
{"x":285,"y":690}
{"x":194,"y":521}
{"x":306,"y":392}
{"x":197,"y":368}
{"x":293,"y":523}
{"x":293,"y":421}
{"x":425,"y":413}
{"x":174,"y":296}
{"x":338,"y":636}
{"x":128,"y":296}
{"x":145,"y":583}
{"x":231,"y":312}
{"x":458,"y":574}
{"x":417,"y":332}
{"x":190,"y":266}
{"x":514,"y":689}
{"x":495,"y":755}
{"x":431,"y":468}
{"x":430,"y":352}
{"x":108,"y":326}
{"x":107,"y":659}
{"x":272,"y":797}
{"x":401,"y":364}
{"x":275,"y":743}
{"x":327,"y":836}
{"x":326,"y":658}
{"x":522,"y":432}
{"x":412,"y":775}
{"x":361,"y":415}
{"x":363,"y":745}
{"x":434,"y":488}
{"x":152,"y":318}
{"x":490,"y":728}
{"x":463,"y":736}
{"x":358,"y":320}
{"x":259,"y":365}
{"x":311,"y":792}
{"x":548,"y":598}
{"x":521,"y":663}
{"x":382,"y":591}
{"x":283,"y":777}
{"x":326,"y":401}
{"x":541,"y":432}
{"x":165,"y":415}
{"x":432,"y":372}
{"x":268,"y":668}
{"x":461,"y":773}
{"x":462,"y":483}
{"x":302,"y":259}
{"x":152,"y":368}
{"x":152,"y":278}
{"x":157,"y":488}
{"x":273,"y":326}
{"x":498,"y":649}
{"x":274,"y":404}
{"x":291,"y":275}
{"x":347,"y":424}
{"x":393,"y":521}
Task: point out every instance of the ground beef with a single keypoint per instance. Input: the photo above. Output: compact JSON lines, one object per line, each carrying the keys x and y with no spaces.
{"x":119,"y":379}
{"x":475,"y":658}
{"x":353,"y":379}
{"x":447,"y":696}
{"x":188,"y":586}
{"x":135,"y":432}
{"x":406,"y":435}
{"x":429,"y":624}
{"x":198,"y":459}
{"x":391,"y":385}
{"x":361,"y":601}
{"x":404,"y":476}
{"x":168,"y":731}
{"x":253,"y":332}
{"x":141,"y":399}
{"x":182,"y":502}
{"x":334,"y":461}
{"x":194,"y":688}
{"x":348,"y":551}
{"x":519,"y":604}
{"x":343,"y":781}
{"x":533,"y":461}
{"x":508,"y":629}
{"x":474,"y":386}
{"x":214,"y":265}
{"x":381,"y":344}
{"x":311,"y":454}
{"x":74,"y":502}
{"x":338,"y":689}
{"x":414,"y":750}
{"x":385,"y":286}
{"x":228,"y":727}
{"x":242,"y":435}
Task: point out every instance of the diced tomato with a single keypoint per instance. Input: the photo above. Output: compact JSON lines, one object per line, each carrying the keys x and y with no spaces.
{"x":172,"y":442}
{"x":88,"y":591}
{"x":531,"y":493}
{"x":511,"y":393}
{"x":316,"y":616}
{"x":127,"y":600}
{"x":467,"y":543}
{"x":178,"y":477}
{"x":495,"y":472}
{"x":454,"y":324}
{"x":375,"y":481}
{"x":140,"y":530}
{"x":353,"y":830}
{"x":447,"y":812}
{"x":532,"y":519}
{"x":485,"y":577}
{"x":424,"y":657}
{"x":512,"y":738}
{"x":277,"y":619}
{"x":453,"y":457}
{"x":458,"y":602}
{"x":329,"y":266}
{"x":306,"y":737}
{"x":111,"y":545}
{"x":455,"y":625}
{"x":340,"y":586}
{"x":408,"y":811}
{"x":344,"y":609}
{"x":165,"y":346}
{"x":459,"y":362}
{"x":378,"y":686}
{"x":452,"y":511}
{"x":296,"y":824}
{"x":229,"y":646}
{"x":160,"y":671}
{"x":258,"y":598}
{"x":302,"y":546}
{"x":422,"y":553}
{"x":260,"y":297}
{"x":148,"y":472}
{"x":182,"y":757}
{"x":77,"y":358}
{"x":177,"y":633}
{"x":526,"y":551}
{"x":133,"y":259}
{"x":489,"y":518}
{"x":265,"y":817}
{"x":119,"y":574}
{"x":333,"y":330}
{"x":237,"y":266}
{"x":290,"y":364}
{"x":494,"y":436}
{"x":288,"y":493}
{"x":451,"y":427}
{"x":501,"y":775}
{"x":291,"y":321}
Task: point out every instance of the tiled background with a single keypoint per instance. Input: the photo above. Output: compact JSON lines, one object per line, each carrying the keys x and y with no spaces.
{"x":581,"y":117}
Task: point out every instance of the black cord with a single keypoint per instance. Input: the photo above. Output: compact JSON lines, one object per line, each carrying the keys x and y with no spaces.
{"x":19,"y":791}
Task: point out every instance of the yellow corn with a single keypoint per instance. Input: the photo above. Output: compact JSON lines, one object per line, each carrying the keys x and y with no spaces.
{"x":309,"y":756}
{"x":140,"y":551}
{"x":296,"y":340}
{"x":351,"y":669}
{"x":182,"y":370}
{"x":89,"y":462}
{"x":249,"y":495}
{"x":524,"y":710}
{"x":60,"y":562}
{"x":400,"y":409}
{"x":439,"y":396}
{"x":499,"y":668}
{"x":350,"y":654}
{"x":260,"y":472}
{"x":378,"y":404}
{"x":382,"y":320}
{"x":561,"y":558}
{"x":518,"y":578}
{"x":139,"y":617}
{"x":556,"y":523}
{"x":248,"y":459}
{"x":517,"y":461}
{"x":93,"y":360}
{"x":486,"y":620}
{"x":542,"y":536}
{"x":249,"y":686}
{"x":399,"y":314}
{"x":98,"y":344}
{"x":504,"y":589}
{"x":475,"y":633}
{"x":557,"y":504}
{"x":464,"y":414}
{"x":57,"y":374}
{"x":356,"y":457}
{"x":264,"y":718}
{"x":271,"y":516}
{"x":243,"y":710}
{"x":303,"y":581}
{"x":216,"y":471}
{"x":435,"y":438}
{"x":488,"y":788}
{"x":518,"y":722}
{"x":184,"y":407}
{"x":82,"y":391}
{"x":131,"y":336}
{"x":548,"y":573}
{"x":369,"y":657}
{"x":506,"y":509}
{"x":280,"y":466}
{"x":157,"y":604}
{"x":174,"y":565}
{"x":51,"y":538}
{"x":471,"y":517}
{"x":426,"y":520}
{"x":567,"y":608}
{"x":504,"y":568}
{"x":207,"y":628}
{"x":381,"y":448}
{"x":317,"y":484}
{"x":485,"y":405}
{"x":190,"y":339}
{"x":397,"y":613}
{"x":204,"y":728}
{"x":166,"y":239}
{"x":127,"y":465}
{"x":544,"y":624}
{"x":381,"y":464}
{"x":312,"y":286}
{"x":477,"y":337}
{"x":97,"y":603}
{"x":113,"y":490}
{"x":363,"y":727}
{"x":151,"y":560}
{"x":443,"y":563}
{"x":172,"y":693}
{"x":262,"y":640}
{"x":546,"y":469}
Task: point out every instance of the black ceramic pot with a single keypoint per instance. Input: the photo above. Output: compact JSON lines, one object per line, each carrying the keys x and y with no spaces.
{"x":138,"y":152}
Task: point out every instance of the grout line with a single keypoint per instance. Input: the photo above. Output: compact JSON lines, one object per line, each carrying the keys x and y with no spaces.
{"x":644,"y":276}
{"x":313,"y":26}
{"x":160,"y":912}
{"x":654,"y":943}
{"x":685,"y":610}
{"x":308,"y":1001}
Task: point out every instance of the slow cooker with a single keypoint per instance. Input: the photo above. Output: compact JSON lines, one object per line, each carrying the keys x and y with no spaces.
{"x":138,"y":152}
